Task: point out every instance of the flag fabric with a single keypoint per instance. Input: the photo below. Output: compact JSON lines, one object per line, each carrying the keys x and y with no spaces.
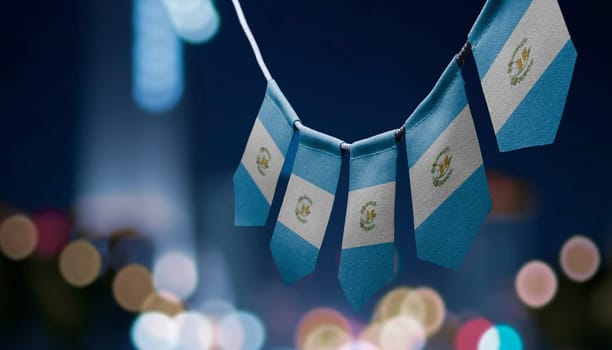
{"x":307,"y":205}
{"x":525,"y":59}
{"x":366,"y":260}
{"x":450,"y":195}
{"x":257,"y":175}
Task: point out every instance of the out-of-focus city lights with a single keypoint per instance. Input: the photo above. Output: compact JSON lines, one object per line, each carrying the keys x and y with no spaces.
{"x":157,"y":58}
{"x":327,"y":337}
{"x":154,"y":331}
{"x":231,"y":333}
{"x":132,"y":286}
{"x":360,"y":345}
{"x":317,"y":318}
{"x":469,"y":335}
{"x":163,"y":302}
{"x":18,"y":237}
{"x":579,"y":258}
{"x":53,"y":232}
{"x":194,"y":331}
{"x":176,"y":272}
{"x":500,"y":337}
{"x":195,"y":21}
{"x":536,"y":284}
{"x":254,"y":331}
{"x":371,"y":334}
{"x":434,"y":309}
{"x":511,"y":197}
{"x":80,"y":263}
{"x":402,"y":332}
{"x":391,"y":304}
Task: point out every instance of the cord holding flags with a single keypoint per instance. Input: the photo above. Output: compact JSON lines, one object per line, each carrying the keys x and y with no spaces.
{"x":523,"y":54}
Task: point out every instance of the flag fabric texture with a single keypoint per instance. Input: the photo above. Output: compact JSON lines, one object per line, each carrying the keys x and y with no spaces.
{"x":366,"y":260}
{"x":257,"y":175}
{"x":450,"y":195}
{"x":307,"y":204}
{"x":525,"y":59}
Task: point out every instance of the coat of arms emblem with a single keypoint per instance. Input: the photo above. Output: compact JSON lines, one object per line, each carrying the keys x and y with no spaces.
{"x":302,"y":209}
{"x":441,"y":168}
{"x":368,"y":216}
{"x":520,"y":63}
{"x":263,"y":160}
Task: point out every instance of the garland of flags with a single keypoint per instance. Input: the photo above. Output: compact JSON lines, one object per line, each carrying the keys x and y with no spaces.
{"x":525,"y":59}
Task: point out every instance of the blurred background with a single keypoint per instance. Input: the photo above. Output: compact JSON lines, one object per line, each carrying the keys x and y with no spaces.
{"x":123,"y":121}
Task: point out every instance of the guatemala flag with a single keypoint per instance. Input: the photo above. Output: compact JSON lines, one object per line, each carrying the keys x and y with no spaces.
{"x":257,"y":175}
{"x":525,"y":60}
{"x":307,"y":205}
{"x":450,"y":196}
{"x":366,"y":261}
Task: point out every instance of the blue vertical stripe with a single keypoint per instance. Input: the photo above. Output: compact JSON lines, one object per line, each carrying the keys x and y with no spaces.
{"x":250,"y":206}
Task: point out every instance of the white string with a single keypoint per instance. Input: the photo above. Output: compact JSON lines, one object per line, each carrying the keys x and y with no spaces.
{"x":251,"y":38}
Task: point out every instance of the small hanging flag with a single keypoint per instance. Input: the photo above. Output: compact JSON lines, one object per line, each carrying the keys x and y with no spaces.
{"x":450,"y":196}
{"x":307,"y":205}
{"x":366,"y":261}
{"x":525,"y":60}
{"x":257,"y":175}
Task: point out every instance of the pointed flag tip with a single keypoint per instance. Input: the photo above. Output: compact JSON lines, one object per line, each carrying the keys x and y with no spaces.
{"x":294,"y":257}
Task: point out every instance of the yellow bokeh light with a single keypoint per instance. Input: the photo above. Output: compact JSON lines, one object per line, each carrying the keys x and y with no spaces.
{"x":80,"y":263}
{"x":327,"y":337}
{"x":132,"y":286}
{"x":162,"y":302}
{"x":401,"y":333}
{"x":18,"y":237}
{"x":579,"y":258}
{"x":536,"y":284}
{"x":317,"y":318}
{"x":391,"y":304}
{"x":430,"y":307}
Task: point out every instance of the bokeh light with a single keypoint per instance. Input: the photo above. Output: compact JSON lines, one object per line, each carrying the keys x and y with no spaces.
{"x":434,"y":309}
{"x":536,"y":284}
{"x":194,"y":331}
{"x":157,"y":58}
{"x":401,"y":333}
{"x":371,"y":334}
{"x":469,"y":335}
{"x":154,"y":331}
{"x":162,"y":302}
{"x":319,"y":317}
{"x":131,"y":250}
{"x":231,"y":333}
{"x":176,"y":272}
{"x":327,"y":337}
{"x":53,"y":232}
{"x":216,"y":308}
{"x":360,"y":345}
{"x":500,"y":337}
{"x":511,"y":197}
{"x":80,"y":263}
{"x":254,"y":330}
{"x":391,"y":304}
{"x":18,"y":237}
{"x":579,"y":258}
{"x":132,"y":286}
{"x":195,"y":21}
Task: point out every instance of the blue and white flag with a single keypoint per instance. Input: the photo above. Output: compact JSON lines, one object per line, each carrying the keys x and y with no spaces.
{"x":366,"y":261}
{"x":257,"y":175}
{"x":450,"y":196}
{"x":307,"y":205}
{"x":525,"y":60}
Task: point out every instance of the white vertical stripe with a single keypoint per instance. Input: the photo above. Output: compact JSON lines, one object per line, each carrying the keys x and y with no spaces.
{"x":546,"y":34}
{"x":462,"y":142}
{"x":259,"y":138}
{"x":382,"y":229}
{"x":312,"y":227}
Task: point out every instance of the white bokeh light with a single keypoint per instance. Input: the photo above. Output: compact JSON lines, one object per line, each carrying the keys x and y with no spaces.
{"x":176,"y":272}
{"x":154,"y":331}
{"x":195,"y":21}
{"x":230,"y":333}
{"x":195,"y":331}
